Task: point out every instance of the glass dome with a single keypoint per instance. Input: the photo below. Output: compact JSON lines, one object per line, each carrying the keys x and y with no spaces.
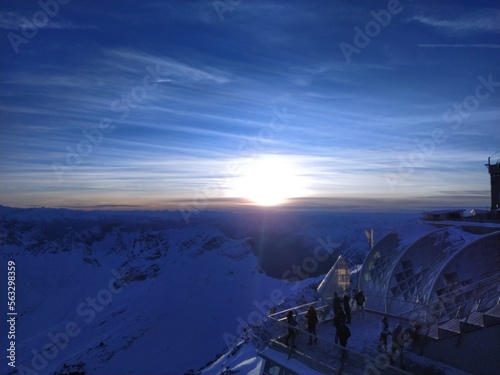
{"x":419,"y":268}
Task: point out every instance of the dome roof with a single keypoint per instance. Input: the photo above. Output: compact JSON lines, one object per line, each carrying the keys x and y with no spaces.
{"x":418,"y":266}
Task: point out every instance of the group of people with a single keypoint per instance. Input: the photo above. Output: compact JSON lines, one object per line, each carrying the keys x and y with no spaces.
{"x":342,"y":316}
{"x":399,"y":339}
{"x":312,"y":321}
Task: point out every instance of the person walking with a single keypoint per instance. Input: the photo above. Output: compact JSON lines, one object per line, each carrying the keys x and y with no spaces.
{"x":343,"y":333}
{"x":347,"y":308}
{"x":360,"y":302}
{"x":384,"y":332}
{"x":292,"y":323}
{"x":312,"y":321}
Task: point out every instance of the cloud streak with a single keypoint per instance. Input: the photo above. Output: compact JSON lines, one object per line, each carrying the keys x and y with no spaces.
{"x":459,"y":45}
{"x":484,"y":21}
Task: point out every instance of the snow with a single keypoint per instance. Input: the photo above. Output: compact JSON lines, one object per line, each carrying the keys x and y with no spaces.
{"x":145,"y":293}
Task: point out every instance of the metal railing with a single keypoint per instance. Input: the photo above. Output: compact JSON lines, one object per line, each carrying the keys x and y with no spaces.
{"x":327,"y":356}
{"x":438,"y":304}
{"x":443,"y":308}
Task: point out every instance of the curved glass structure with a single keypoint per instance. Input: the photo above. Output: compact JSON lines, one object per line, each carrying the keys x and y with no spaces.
{"x":381,"y":260}
{"x":421,"y":269}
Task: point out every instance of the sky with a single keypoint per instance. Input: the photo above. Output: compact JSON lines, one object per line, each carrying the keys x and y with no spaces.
{"x":197,"y":104}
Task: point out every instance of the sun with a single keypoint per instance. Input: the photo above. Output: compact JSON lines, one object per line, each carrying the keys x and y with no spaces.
{"x":269,"y":181}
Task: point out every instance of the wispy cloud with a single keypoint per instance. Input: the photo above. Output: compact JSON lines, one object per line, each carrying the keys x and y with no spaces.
{"x":477,"y":22}
{"x":459,"y":45}
{"x":168,"y":67}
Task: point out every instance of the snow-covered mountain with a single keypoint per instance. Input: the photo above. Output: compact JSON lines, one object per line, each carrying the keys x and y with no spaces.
{"x":142,"y":292}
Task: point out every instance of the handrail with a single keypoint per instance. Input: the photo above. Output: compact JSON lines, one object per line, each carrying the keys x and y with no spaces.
{"x":294,"y":308}
{"x":331,"y":344}
{"x":437,"y":312}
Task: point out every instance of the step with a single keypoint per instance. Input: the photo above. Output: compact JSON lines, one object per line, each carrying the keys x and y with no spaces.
{"x":449,"y":329}
{"x":494,"y":311}
{"x":492,"y":316}
{"x":473,"y":322}
{"x":432,"y":332}
{"x":466,"y":327}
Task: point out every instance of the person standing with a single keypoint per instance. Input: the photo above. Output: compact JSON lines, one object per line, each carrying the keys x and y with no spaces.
{"x":337,"y":303}
{"x":343,"y":333}
{"x":384,"y":332}
{"x":312,"y":321}
{"x":360,"y":302}
{"x":347,"y":308}
{"x":337,"y":320}
{"x":353,"y":298}
{"x":291,"y":322}
{"x":397,"y":345}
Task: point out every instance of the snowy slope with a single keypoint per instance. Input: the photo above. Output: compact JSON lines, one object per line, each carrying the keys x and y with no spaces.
{"x":138,"y":292}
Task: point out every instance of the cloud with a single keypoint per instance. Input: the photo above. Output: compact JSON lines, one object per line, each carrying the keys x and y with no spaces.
{"x":478,"y":22}
{"x":459,"y":45}
{"x":169,"y":68}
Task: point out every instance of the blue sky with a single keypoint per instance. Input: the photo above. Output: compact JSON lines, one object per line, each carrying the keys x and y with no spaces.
{"x":194,"y":104}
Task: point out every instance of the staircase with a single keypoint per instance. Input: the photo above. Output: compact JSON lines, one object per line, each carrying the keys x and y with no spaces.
{"x":454,"y":327}
{"x":470,"y":343}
